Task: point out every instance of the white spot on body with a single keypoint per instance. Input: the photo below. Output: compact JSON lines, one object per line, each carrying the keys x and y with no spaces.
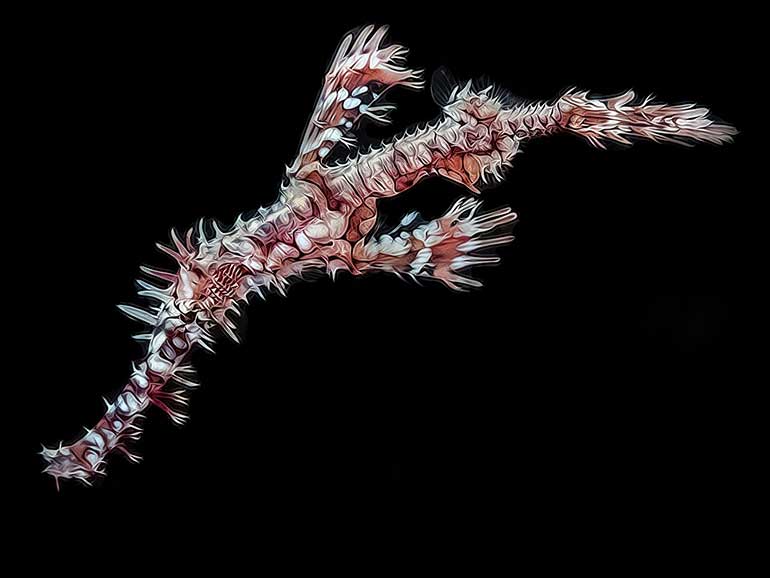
{"x":92,"y":457}
{"x":409,"y":218}
{"x":333,"y":134}
{"x":394,"y":247}
{"x":351,"y":103}
{"x":348,"y":124}
{"x":360,"y":90}
{"x":328,"y":101}
{"x":122,"y":405}
{"x":432,"y":228}
{"x":157,"y":340}
{"x":317,"y":230}
{"x":303,"y":242}
{"x":323,"y":151}
{"x":95,"y":439}
{"x":131,"y":401}
{"x":127,"y":403}
{"x":158,"y":364}
{"x":399,"y":247}
{"x":140,"y":380}
{"x":342,"y":94}
{"x":421,"y":259}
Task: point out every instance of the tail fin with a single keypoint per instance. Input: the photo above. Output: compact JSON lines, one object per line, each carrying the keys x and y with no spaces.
{"x":615,"y":119}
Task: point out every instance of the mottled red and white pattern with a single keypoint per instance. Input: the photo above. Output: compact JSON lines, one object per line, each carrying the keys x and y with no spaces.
{"x":325,"y":214}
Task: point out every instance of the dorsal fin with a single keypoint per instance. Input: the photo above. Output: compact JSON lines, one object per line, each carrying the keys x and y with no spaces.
{"x":443,"y":86}
{"x":446,"y":89}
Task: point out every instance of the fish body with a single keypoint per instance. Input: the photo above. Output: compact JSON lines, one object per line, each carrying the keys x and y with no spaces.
{"x":326,"y":211}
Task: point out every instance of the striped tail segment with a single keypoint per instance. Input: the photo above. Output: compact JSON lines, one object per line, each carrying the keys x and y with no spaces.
{"x":170,"y":343}
{"x":190,"y":306}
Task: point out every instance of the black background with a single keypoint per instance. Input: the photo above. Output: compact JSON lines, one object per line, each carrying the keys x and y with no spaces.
{"x":588,"y":391}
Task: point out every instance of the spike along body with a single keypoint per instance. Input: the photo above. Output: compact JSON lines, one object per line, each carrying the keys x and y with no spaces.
{"x":326,"y":212}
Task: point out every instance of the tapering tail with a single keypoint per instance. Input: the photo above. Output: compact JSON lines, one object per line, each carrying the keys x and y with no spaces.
{"x":170,"y":339}
{"x":170,"y":343}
